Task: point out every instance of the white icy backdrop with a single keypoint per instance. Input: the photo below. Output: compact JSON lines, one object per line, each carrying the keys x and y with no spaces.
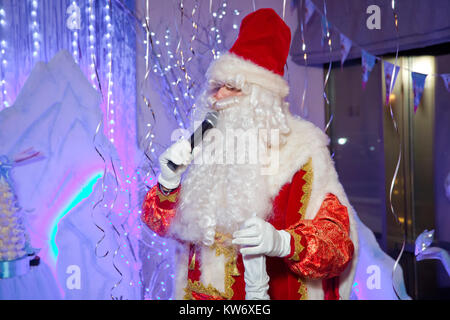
{"x":57,"y":113}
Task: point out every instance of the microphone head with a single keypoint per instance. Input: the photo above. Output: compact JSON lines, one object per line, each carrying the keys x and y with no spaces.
{"x":212,"y":117}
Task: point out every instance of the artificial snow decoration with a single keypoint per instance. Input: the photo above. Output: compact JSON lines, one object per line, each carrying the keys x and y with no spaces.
{"x":57,"y":112}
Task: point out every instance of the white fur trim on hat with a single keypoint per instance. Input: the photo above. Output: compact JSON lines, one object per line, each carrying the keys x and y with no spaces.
{"x":236,"y":71}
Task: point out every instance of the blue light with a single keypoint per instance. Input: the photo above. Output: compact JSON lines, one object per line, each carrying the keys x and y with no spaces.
{"x":85,"y":191}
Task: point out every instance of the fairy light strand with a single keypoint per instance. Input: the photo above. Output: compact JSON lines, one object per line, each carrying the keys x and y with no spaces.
{"x":148,"y":41}
{"x":75,"y":39}
{"x":109,"y":99}
{"x":4,"y":61}
{"x":36,"y":37}
{"x":91,"y":44}
{"x":216,"y":41}
{"x":148,"y":139}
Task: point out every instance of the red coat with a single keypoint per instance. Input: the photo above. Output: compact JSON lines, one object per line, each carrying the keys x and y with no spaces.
{"x":321,"y":248}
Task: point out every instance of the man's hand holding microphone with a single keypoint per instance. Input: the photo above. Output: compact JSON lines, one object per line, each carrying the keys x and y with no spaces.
{"x":175,"y":160}
{"x":179,"y":154}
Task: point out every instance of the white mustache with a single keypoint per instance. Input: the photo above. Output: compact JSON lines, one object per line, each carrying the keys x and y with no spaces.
{"x":223,"y":103}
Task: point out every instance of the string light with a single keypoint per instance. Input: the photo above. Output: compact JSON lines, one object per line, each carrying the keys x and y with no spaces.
{"x":91,"y":41}
{"x":75,"y":39}
{"x":167,"y":66}
{"x":217,"y":18}
{"x":109,"y":98}
{"x":36,"y":38}
{"x":4,"y":64}
{"x":168,"y":73}
{"x":147,"y":42}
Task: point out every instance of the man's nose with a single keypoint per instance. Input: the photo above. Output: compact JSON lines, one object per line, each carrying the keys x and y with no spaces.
{"x":220,"y":94}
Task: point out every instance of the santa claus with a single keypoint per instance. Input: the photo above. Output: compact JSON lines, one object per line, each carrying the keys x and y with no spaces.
{"x":280,"y":227}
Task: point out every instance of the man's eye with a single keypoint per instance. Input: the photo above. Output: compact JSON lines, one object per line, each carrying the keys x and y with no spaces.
{"x":232,"y":89}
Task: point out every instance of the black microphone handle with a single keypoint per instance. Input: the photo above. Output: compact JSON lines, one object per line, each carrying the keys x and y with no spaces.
{"x":172,"y":165}
{"x":195,"y":139}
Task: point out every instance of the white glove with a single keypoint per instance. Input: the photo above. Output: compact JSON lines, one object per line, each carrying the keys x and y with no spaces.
{"x":180,"y":154}
{"x":256,"y":278}
{"x":260,"y":237}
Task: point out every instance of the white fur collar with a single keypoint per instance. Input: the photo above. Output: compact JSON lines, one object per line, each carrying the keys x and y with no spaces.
{"x":303,"y":142}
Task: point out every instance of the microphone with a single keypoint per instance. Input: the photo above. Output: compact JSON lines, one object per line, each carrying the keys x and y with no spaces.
{"x":209,"y":123}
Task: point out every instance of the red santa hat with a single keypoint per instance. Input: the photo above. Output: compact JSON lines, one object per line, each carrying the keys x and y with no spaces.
{"x":258,"y":56}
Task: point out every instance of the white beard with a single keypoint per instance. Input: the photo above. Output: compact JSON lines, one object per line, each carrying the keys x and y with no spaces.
{"x":219,"y":197}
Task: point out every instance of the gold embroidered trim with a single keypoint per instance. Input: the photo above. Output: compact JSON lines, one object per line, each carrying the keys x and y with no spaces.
{"x":222,"y":244}
{"x":307,"y":187}
{"x":297,"y":245}
{"x":162,"y":197}
{"x":230,"y":253}
{"x":198,"y":287}
{"x":302,"y":290}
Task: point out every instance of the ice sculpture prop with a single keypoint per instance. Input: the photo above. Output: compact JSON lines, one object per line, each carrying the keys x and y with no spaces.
{"x":57,"y":113}
{"x":373,"y":279}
